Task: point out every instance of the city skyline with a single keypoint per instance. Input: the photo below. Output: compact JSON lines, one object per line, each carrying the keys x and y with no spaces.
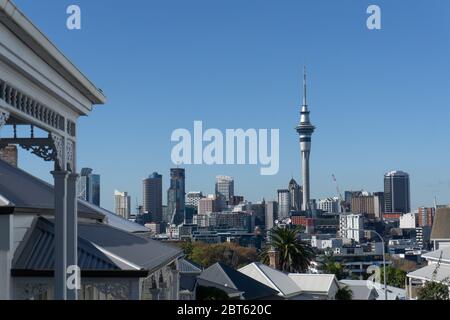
{"x":348,"y":90}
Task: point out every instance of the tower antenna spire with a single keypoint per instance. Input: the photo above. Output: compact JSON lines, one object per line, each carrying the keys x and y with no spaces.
{"x":305,"y":103}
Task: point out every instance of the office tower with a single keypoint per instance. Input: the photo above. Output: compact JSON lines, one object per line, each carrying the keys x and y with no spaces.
{"x":426,"y":217}
{"x":224,"y":191}
{"x":152,"y":197}
{"x":329,"y":205}
{"x":305,"y":130}
{"x":207,"y":205}
{"x":378,"y":204}
{"x":122,"y":203}
{"x":176,"y":196}
{"x":396,"y":192}
{"x":88,"y":188}
{"x":284,"y":204}
{"x":9,"y":154}
{"x":295,"y":193}
{"x":193,"y":198}
{"x":271,"y":214}
{"x":259,"y":210}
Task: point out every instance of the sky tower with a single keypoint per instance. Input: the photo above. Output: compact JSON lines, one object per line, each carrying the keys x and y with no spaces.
{"x":305,"y":130}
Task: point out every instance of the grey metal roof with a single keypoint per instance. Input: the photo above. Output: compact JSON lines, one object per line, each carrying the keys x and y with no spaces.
{"x":27,"y":191}
{"x":236,"y":281}
{"x":187,"y":266}
{"x":441,"y":224}
{"x":100,"y":247}
{"x":147,"y":253}
{"x":441,"y":254}
{"x":117,"y":221}
{"x":431,"y":272}
{"x":38,"y":251}
{"x":274,"y":278}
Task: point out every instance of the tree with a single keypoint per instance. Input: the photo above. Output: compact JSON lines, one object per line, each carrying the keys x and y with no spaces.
{"x":344,"y":293}
{"x":228,"y":253}
{"x":394,"y":277}
{"x":331,"y":266}
{"x":294,"y":254}
{"x":433,"y":291}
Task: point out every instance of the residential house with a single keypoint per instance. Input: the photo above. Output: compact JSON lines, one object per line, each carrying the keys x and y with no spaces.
{"x":117,"y":259}
{"x":234,"y":283}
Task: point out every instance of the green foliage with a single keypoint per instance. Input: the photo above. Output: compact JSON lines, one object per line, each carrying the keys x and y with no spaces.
{"x":394,"y":277}
{"x":227,"y":253}
{"x":434,"y":291}
{"x":344,"y":293}
{"x":294,"y":254}
{"x":210,"y":294}
{"x":331,"y":266}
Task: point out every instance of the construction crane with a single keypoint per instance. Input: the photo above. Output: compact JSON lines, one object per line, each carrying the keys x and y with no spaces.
{"x":345,"y":206}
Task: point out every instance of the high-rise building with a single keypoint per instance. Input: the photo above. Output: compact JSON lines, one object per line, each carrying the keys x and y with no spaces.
{"x":271,"y":214}
{"x":88,"y":188}
{"x":152,"y":197}
{"x":368,"y":204}
{"x":224,"y":191}
{"x":295,"y":193}
{"x":305,"y":130}
{"x":207,"y":205}
{"x":329,"y":205}
{"x":396,"y":192}
{"x":259,"y":210}
{"x":9,"y":154}
{"x":193,"y":198}
{"x":122,"y":203}
{"x":176,"y":196}
{"x":425,"y":217}
{"x":284,"y":204}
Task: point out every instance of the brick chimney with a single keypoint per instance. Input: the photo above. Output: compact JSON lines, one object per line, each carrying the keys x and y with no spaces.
{"x":9,"y":154}
{"x":274,"y":258}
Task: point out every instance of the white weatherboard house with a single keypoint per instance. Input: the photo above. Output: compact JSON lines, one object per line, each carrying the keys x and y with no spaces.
{"x":44,"y":230}
{"x":117,"y":260}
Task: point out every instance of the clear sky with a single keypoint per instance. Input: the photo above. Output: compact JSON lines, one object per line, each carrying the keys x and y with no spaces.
{"x":379,"y":99}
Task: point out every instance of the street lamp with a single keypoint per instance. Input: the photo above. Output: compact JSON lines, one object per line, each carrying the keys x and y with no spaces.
{"x":384,"y":257}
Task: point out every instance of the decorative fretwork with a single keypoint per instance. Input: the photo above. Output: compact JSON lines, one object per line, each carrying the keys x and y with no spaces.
{"x":31,"y":107}
{"x":58,"y":144}
{"x":114,"y":290}
{"x":33,"y":291}
{"x":4,"y":116}
{"x":70,"y":157}
{"x":49,"y":149}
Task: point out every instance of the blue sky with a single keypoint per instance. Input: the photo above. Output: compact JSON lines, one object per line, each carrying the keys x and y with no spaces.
{"x":379,"y":99}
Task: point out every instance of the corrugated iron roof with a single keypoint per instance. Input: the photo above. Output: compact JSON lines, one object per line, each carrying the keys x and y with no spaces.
{"x":100,"y":247}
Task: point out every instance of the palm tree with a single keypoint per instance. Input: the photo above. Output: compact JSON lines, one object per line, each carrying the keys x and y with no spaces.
{"x":344,"y":293}
{"x":294,"y":254}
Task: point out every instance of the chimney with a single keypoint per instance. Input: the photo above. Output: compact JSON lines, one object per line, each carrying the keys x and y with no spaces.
{"x":274,"y":258}
{"x":9,"y":154}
